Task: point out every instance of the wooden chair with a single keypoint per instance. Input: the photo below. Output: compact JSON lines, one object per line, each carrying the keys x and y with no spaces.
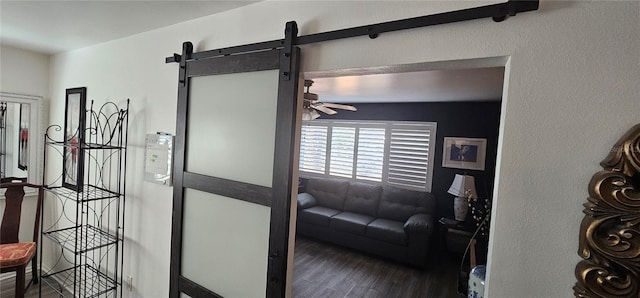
{"x":15,"y":255}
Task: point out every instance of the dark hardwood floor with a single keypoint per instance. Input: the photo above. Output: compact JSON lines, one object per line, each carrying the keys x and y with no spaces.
{"x":7,"y":289}
{"x":324,"y":270}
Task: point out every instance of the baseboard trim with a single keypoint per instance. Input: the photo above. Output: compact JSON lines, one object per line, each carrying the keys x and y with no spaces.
{"x":27,"y":272}
{"x":10,"y":275}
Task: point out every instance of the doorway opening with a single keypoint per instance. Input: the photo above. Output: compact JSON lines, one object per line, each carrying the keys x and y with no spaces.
{"x":372,"y":220}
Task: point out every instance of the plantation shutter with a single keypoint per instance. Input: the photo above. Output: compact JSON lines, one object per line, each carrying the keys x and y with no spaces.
{"x":313,"y":149}
{"x":409,"y":157}
{"x":370,"y":154}
{"x":381,"y":152}
{"x":342,"y":151}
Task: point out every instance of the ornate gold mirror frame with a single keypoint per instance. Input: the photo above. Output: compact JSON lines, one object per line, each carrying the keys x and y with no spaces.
{"x":610,"y":230}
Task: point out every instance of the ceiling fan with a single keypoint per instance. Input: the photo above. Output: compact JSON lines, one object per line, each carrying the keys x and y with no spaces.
{"x":311,"y":105}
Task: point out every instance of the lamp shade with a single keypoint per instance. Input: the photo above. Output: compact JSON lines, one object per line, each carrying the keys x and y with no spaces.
{"x":309,"y":114}
{"x":463,"y":186}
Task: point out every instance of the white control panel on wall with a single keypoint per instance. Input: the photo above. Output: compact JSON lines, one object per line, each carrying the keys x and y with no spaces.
{"x":158,"y":156}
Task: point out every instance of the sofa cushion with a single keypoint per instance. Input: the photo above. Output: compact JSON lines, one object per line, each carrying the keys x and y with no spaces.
{"x":419,"y":224}
{"x":399,"y":204}
{"x":351,"y":222}
{"x":363,"y":198}
{"x":306,"y":200}
{"x":328,"y":192}
{"x":387,"y":230}
{"x":317,"y":215}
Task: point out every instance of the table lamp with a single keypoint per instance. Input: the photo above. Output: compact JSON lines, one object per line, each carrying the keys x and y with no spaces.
{"x":464,"y":188}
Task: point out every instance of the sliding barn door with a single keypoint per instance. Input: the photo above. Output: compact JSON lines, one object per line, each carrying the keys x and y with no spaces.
{"x":234,"y":171}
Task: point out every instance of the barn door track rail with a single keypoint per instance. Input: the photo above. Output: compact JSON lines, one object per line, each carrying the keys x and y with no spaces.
{"x":498,"y":12}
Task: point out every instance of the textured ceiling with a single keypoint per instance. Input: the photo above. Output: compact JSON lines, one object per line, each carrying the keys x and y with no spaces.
{"x":477,"y":84}
{"x":58,"y":26}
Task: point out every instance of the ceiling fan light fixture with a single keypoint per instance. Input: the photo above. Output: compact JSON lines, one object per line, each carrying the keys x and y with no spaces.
{"x":311,"y":104}
{"x":309,"y":114}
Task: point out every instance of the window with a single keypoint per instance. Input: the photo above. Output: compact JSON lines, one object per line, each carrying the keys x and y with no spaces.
{"x":342,"y":151}
{"x":388,"y":153}
{"x":369,"y":165}
{"x":408,"y":156}
{"x":314,"y":154}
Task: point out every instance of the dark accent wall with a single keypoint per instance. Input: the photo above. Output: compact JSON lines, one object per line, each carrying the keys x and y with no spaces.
{"x":455,"y":119}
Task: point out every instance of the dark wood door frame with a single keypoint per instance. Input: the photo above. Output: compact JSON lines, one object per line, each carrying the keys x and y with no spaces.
{"x":287,"y":60}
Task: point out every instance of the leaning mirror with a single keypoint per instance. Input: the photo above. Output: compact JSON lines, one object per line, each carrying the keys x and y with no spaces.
{"x":3,"y":139}
{"x":20,"y":137}
{"x":74,"y":123}
{"x":23,"y":137}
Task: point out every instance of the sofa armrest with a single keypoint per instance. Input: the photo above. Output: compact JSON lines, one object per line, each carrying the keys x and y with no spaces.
{"x":306,"y":200}
{"x":419,"y":223}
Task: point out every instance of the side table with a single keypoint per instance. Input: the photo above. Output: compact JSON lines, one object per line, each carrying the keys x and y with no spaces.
{"x":456,"y":235}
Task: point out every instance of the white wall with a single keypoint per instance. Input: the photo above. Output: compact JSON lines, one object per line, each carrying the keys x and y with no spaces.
{"x":22,"y":72}
{"x":573,"y":89}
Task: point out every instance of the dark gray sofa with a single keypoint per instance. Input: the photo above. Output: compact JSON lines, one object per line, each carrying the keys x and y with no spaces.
{"x":390,"y":222}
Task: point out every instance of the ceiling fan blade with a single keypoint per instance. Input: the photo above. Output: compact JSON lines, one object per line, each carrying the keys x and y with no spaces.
{"x":323,"y":109}
{"x":339,"y":106}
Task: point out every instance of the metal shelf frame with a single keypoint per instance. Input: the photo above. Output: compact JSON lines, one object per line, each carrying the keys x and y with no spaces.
{"x":86,"y":281}
{"x":89,"y":193}
{"x":87,"y":230}
{"x":90,"y":238}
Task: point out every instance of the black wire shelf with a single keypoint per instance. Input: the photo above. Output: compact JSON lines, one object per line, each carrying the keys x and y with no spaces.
{"x":89,"y":193}
{"x":86,"y":146}
{"x":87,"y":229}
{"x":89,"y":282}
{"x":81,"y":239}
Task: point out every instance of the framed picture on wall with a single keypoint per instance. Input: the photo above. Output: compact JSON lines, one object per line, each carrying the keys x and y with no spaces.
{"x":23,"y":137}
{"x":464,"y":153}
{"x":74,"y":125}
